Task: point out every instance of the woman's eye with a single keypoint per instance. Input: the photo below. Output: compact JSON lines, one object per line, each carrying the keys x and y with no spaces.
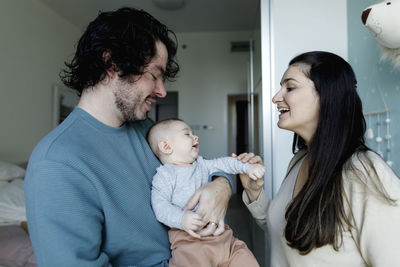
{"x":289,"y":89}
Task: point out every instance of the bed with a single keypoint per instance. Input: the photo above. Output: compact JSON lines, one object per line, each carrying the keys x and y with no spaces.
{"x":15,"y":245}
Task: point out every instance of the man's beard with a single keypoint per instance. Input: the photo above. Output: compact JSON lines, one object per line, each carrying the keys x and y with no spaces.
{"x":130,"y":111}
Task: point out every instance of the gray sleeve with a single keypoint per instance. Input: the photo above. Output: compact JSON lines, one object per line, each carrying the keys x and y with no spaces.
{"x":161,"y":199}
{"x":227,"y":164}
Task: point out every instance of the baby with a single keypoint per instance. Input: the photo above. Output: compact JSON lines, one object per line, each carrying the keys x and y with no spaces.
{"x":182,"y":173}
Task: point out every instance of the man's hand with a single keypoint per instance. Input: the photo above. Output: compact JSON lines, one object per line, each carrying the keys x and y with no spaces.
{"x":252,"y":187}
{"x":191,"y":222}
{"x":212,"y":199}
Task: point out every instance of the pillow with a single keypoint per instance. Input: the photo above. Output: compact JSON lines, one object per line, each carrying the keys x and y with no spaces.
{"x":16,"y":248}
{"x":9,"y":171}
{"x":12,"y":202}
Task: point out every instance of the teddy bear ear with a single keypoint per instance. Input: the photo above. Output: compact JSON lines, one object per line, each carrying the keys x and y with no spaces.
{"x":364,"y":15}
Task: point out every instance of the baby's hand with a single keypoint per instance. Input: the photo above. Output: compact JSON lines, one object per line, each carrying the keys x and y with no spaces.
{"x":256,"y":171}
{"x":191,"y":222}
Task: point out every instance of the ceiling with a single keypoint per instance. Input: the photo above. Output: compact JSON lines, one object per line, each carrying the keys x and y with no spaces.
{"x":196,"y":16}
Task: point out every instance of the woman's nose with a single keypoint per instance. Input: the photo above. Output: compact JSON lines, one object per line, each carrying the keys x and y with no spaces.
{"x":277,"y":97}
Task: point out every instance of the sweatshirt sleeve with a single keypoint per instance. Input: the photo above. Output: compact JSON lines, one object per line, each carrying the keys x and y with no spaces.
{"x":64,"y":216}
{"x":377,"y":229}
{"x":258,"y":208}
{"x":161,"y":199}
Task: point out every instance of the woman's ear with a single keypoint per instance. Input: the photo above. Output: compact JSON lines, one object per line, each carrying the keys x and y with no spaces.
{"x":165,"y":147}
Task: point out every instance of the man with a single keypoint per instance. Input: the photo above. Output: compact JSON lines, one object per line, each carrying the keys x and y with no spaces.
{"x":88,"y":182}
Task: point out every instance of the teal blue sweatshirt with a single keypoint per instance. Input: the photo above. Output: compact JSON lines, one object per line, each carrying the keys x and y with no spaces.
{"x":87,"y":191}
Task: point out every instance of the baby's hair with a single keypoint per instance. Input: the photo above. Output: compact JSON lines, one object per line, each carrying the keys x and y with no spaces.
{"x":152,"y":138}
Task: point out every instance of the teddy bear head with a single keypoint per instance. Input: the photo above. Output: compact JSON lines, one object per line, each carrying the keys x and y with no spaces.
{"x":383,"y":21}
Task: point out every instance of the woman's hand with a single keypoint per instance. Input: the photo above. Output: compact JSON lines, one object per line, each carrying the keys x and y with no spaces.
{"x":252,"y":187}
{"x":212,"y":199}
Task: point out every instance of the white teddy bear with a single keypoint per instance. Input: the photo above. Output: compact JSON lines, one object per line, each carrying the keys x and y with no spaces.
{"x":383,"y":20}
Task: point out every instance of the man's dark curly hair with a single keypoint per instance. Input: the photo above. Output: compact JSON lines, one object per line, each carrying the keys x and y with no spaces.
{"x":129,"y":37}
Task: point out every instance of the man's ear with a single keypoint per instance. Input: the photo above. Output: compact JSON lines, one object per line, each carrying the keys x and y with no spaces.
{"x":112,"y":68}
{"x":165,"y":147}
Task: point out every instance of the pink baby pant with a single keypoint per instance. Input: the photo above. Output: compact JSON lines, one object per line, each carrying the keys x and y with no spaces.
{"x":211,"y":251}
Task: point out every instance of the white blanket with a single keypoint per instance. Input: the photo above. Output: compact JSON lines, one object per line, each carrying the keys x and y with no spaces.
{"x":12,"y":202}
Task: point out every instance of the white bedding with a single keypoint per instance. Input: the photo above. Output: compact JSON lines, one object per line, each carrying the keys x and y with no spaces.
{"x":10,"y":171}
{"x":12,"y":202}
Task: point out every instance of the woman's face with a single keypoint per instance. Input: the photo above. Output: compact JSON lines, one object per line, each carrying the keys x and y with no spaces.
{"x":298,"y":102}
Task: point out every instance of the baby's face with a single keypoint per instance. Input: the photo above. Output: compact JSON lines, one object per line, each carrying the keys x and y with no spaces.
{"x":184,"y":143}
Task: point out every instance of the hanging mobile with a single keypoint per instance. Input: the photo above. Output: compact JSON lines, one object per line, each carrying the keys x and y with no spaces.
{"x":388,"y":138}
{"x":370,"y":132}
{"x":378,"y":138}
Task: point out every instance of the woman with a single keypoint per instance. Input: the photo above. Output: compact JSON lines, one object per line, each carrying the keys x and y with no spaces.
{"x":339,"y":202}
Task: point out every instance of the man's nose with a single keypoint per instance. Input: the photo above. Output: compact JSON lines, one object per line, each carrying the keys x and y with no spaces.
{"x":160,"y":90}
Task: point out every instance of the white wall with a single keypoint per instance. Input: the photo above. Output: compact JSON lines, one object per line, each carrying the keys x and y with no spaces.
{"x":35,"y":42}
{"x":209,"y":72}
{"x":294,"y":27}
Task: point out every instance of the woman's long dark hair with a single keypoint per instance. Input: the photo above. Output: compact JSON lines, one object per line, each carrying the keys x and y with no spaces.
{"x":316,"y":216}
{"x":129,"y":37}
